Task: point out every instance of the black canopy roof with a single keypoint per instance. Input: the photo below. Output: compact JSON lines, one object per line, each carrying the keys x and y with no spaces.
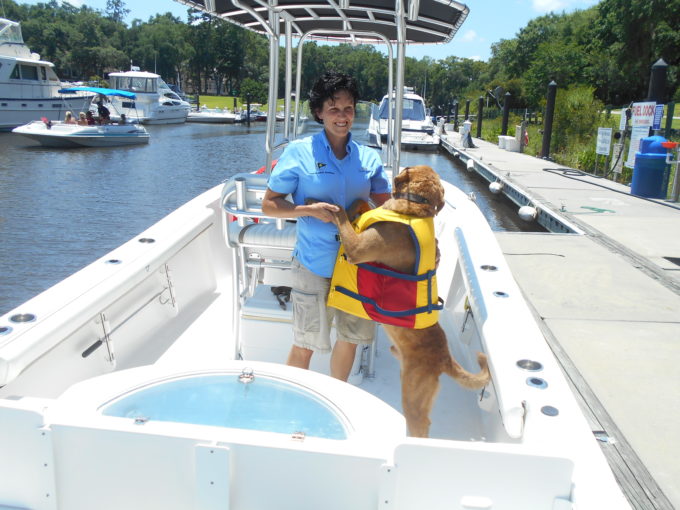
{"x":428,"y":21}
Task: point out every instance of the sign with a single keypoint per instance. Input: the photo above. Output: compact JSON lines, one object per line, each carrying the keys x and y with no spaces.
{"x":643,"y":114}
{"x":616,"y":156}
{"x":604,"y":141}
{"x":637,"y":134}
{"x":658,"y":115}
{"x":623,"y":119}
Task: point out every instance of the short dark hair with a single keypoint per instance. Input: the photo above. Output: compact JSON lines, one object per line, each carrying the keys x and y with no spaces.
{"x":327,"y":86}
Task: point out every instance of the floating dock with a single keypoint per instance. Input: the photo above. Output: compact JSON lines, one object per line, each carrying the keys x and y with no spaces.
{"x":605,"y":286}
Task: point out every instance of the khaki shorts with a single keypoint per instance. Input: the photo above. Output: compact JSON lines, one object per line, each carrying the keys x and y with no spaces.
{"x":312,"y":319}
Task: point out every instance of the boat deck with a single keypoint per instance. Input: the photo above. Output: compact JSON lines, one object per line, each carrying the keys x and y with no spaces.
{"x":609,"y":305}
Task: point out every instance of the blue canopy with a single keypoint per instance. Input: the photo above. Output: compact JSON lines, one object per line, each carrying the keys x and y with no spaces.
{"x":99,"y":90}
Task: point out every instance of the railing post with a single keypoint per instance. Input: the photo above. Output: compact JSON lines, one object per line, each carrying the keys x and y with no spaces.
{"x":670,"y":110}
{"x":480,"y":113}
{"x":548,"y":120}
{"x":506,"y":114}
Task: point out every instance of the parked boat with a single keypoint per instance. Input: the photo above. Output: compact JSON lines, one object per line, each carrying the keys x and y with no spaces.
{"x":155,"y":377}
{"x":417,"y":128}
{"x":212,"y":116}
{"x":28,"y":85}
{"x":156,"y":103}
{"x":61,"y":134}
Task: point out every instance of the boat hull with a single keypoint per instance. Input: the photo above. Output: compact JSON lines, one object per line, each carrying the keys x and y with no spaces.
{"x":17,"y":112}
{"x":69,"y":136}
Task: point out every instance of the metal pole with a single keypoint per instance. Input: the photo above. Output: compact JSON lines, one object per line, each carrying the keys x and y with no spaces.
{"x":480,"y":113}
{"x":506,"y":114}
{"x":548,"y":121}
{"x":399,"y":96}
{"x":670,"y":110}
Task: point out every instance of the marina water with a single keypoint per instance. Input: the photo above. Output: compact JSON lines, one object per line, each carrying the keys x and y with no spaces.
{"x":61,"y":209}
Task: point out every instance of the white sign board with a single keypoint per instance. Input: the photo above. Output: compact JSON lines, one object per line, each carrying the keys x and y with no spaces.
{"x":643,"y":114}
{"x":637,"y":134}
{"x":604,"y":141}
{"x":622,"y":120}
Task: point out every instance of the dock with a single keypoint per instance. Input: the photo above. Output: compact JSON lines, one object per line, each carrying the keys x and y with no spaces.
{"x":604,"y":285}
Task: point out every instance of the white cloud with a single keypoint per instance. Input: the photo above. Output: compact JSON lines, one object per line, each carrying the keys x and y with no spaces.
{"x":475,"y":57}
{"x":468,"y":36}
{"x":75,"y":3}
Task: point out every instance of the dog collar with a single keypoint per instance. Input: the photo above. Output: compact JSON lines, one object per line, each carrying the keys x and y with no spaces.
{"x":412,"y":197}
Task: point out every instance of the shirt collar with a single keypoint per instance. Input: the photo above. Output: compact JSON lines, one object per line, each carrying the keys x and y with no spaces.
{"x":327,"y":144}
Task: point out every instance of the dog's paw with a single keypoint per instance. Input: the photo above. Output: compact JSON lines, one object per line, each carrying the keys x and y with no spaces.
{"x":358,"y":207}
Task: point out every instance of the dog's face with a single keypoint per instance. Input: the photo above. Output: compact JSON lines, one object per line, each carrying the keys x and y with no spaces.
{"x":417,"y":192}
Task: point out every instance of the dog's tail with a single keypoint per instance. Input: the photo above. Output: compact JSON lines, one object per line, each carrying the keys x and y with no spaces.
{"x":467,"y":379}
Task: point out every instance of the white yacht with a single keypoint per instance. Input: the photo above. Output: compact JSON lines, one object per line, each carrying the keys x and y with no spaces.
{"x":417,"y":128}
{"x":156,"y":103}
{"x":156,"y":377}
{"x":29,"y":87}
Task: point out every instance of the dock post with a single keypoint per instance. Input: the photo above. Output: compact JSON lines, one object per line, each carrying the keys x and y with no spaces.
{"x":506,"y":114}
{"x":467,"y":109}
{"x":548,"y":120}
{"x":455,"y":116}
{"x":480,"y":112}
{"x":657,"y":82}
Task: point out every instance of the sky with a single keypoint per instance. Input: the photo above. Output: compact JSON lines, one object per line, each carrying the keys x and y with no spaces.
{"x":489,"y":21}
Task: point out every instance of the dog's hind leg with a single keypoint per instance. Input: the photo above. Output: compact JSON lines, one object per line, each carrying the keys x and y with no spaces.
{"x":419,"y":387}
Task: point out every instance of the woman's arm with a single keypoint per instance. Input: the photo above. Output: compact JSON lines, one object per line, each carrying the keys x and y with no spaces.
{"x":275,"y":204}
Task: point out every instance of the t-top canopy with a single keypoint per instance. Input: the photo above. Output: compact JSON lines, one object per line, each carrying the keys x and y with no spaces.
{"x":99,"y":90}
{"x":428,"y":21}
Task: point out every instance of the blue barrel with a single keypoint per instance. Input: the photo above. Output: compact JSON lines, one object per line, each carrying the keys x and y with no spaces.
{"x":650,"y":174}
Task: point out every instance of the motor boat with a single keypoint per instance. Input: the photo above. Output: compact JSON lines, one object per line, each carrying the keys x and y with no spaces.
{"x":212,"y":116}
{"x":28,"y":85}
{"x":155,"y":377}
{"x":417,"y":129}
{"x":61,"y":134}
{"x":156,"y":103}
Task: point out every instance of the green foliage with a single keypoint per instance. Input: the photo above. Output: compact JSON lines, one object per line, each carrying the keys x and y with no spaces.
{"x":255,"y":91}
{"x":577,"y":114}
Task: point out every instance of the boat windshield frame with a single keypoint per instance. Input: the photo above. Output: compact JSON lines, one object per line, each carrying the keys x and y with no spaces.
{"x":371,"y":22}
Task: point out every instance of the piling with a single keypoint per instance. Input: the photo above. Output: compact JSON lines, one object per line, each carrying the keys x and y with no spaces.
{"x":657,"y":82}
{"x":480,"y":111}
{"x":467,"y":109}
{"x":548,"y":120}
{"x":455,"y":115}
{"x":506,"y":114}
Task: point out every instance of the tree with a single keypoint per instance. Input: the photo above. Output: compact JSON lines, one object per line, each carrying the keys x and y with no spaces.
{"x":254,"y":91}
{"x":116,"y":10}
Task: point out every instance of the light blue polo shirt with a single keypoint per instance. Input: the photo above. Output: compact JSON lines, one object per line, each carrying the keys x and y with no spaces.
{"x":309,"y":169}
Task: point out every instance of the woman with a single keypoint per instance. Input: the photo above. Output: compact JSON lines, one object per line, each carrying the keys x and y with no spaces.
{"x":318,"y":172}
{"x":68,"y":118}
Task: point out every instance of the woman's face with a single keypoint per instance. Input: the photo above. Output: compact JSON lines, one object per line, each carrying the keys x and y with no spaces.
{"x":337,"y":115}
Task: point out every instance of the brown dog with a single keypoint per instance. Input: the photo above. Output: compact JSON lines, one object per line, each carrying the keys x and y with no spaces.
{"x":423,"y":353}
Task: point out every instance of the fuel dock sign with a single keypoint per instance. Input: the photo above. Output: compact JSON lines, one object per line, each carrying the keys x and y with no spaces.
{"x":643,"y":114}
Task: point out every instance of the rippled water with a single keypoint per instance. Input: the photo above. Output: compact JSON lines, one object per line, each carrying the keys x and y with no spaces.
{"x":61,"y":209}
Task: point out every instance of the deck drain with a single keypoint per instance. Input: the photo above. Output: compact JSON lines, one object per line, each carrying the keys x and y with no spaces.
{"x":537,"y":382}
{"x":530,"y":365}
{"x":22,"y":317}
{"x":5,"y":330}
{"x":114,"y":261}
{"x":500,"y":293}
{"x":550,"y":411}
{"x":487,"y":267}
{"x":147,"y":240}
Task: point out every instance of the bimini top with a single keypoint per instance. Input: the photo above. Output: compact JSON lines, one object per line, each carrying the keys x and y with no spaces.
{"x":99,"y":90}
{"x":427,"y":21}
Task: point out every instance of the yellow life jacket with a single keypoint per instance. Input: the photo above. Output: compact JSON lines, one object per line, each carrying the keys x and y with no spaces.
{"x":377,"y":292}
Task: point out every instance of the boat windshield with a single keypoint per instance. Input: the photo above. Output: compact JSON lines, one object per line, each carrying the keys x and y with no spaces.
{"x":134,"y":83}
{"x":10,"y":32}
{"x":413,"y":109}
